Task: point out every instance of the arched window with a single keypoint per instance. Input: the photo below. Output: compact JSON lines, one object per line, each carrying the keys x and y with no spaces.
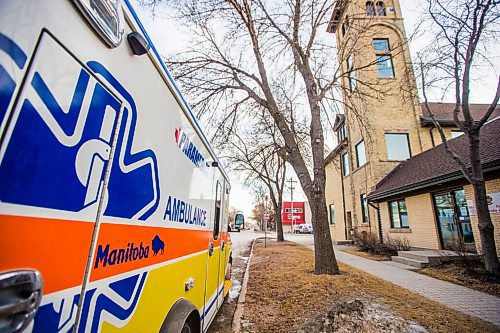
{"x":380,"y":8}
{"x":370,"y":8}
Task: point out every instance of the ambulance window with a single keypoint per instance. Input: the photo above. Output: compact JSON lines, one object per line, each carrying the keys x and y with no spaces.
{"x":218,"y":196}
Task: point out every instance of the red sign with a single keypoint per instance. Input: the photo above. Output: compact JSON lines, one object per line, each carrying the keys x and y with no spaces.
{"x":298,"y":213}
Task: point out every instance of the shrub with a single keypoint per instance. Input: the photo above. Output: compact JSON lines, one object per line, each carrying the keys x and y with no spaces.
{"x":399,"y":244}
{"x":369,"y":242}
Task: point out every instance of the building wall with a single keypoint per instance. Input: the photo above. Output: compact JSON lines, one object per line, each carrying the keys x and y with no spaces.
{"x":334,"y":196}
{"x":492,"y":186}
{"x":369,"y":111}
{"x":423,"y":232}
{"x":377,"y":106}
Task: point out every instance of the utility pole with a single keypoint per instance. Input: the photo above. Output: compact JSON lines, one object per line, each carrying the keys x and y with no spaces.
{"x":265,"y":221}
{"x":291,"y":198}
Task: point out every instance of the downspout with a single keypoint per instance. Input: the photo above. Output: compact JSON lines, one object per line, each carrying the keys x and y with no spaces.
{"x":379,"y":221}
{"x":432,"y":136}
{"x":343,"y":197}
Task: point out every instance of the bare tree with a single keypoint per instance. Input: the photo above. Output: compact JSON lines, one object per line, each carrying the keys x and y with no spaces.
{"x":257,"y":152}
{"x":243,"y":52}
{"x":465,"y":28}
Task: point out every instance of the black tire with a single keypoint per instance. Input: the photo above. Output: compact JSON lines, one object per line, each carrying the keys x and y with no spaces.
{"x":187,"y":327}
{"x":228,"y":271}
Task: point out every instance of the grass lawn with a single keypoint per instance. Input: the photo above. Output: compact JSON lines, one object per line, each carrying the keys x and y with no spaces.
{"x":283,"y":293}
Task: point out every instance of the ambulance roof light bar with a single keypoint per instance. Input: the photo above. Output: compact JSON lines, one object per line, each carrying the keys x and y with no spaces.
{"x":106,"y":17}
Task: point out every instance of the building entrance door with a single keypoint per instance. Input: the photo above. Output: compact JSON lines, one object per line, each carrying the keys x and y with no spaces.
{"x":453,"y":218}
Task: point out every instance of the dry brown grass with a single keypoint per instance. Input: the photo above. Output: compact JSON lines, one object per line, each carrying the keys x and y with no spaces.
{"x":367,"y":255}
{"x":283,"y":293}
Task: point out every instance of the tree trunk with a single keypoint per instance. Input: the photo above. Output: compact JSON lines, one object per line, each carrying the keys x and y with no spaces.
{"x":279,"y":224}
{"x":324,"y":256}
{"x":485,"y":225}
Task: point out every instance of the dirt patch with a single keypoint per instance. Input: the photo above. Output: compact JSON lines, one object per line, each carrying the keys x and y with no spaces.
{"x":472,"y":276}
{"x":223,"y":320}
{"x":366,"y":255}
{"x":283,"y":295}
{"x":356,"y":316}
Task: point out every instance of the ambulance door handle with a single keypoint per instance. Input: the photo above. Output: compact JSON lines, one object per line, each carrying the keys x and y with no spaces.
{"x":21,"y":294}
{"x":210,"y":248}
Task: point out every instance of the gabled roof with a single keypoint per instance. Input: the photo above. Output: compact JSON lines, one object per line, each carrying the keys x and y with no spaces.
{"x":339,"y":120}
{"x":338,"y":11}
{"x":435,"y":166}
{"x":443,"y":113}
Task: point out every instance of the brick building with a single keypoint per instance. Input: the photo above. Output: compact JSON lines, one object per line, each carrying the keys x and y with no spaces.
{"x":383,"y":125}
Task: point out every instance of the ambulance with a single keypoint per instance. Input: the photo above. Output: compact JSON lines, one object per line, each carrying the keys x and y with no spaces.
{"x":113,"y":205}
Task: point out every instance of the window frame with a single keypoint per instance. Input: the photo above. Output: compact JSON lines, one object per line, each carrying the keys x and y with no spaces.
{"x":358,"y":165}
{"x":378,"y":62}
{"x":351,"y":73}
{"x":369,"y":4}
{"x":407,"y":143}
{"x":374,"y":40}
{"x":391,"y":216}
{"x":364,"y":209}
{"x":383,"y":54}
{"x":345,"y":162}
{"x":218,"y":210}
{"x":342,"y":133}
{"x":378,"y":6}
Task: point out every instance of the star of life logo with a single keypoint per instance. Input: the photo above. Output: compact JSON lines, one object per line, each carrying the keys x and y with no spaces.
{"x":67,"y":131}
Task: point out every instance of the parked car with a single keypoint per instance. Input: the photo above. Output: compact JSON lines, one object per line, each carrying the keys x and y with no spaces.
{"x":297,"y":229}
{"x":306,"y":229}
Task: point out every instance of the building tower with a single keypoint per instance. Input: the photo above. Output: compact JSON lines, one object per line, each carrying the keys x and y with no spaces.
{"x":380,"y":126}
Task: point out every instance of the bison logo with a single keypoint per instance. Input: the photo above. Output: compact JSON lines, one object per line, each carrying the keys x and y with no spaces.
{"x":157,"y":245}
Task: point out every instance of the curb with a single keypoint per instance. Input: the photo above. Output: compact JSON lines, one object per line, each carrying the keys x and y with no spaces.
{"x":236,"y":325}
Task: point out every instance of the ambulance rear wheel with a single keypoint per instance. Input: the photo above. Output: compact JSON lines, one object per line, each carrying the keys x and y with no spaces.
{"x":228,"y":270}
{"x":187,"y":328}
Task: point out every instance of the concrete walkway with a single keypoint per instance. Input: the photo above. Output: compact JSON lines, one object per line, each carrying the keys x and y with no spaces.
{"x":465,"y":300}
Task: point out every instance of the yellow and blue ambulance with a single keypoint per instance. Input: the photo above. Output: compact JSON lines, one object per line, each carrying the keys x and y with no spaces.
{"x":113,"y":205}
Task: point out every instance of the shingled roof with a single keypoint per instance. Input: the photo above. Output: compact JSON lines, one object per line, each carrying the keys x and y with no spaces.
{"x":435,"y":166}
{"x":443,"y":112}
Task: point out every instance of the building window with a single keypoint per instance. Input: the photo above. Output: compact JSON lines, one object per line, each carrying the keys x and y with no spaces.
{"x":399,"y":214}
{"x":345,"y":164}
{"x":398,"y":147}
{"x":332,"y":215}
{"x":381,"y":9}
{"x":360,"y":154}
{"x":456,"y":134}
{"x":370,"y":8}
{"x":351,"y":73}
{"x":345,"y":25}
{"x":384,"y":65}
{"x":341,"y":133}
{"x":381,"y":44}
{"x":383,"y":57}
{"x":364,"y":208}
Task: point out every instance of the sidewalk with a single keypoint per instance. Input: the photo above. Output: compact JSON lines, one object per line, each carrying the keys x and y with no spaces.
{"x":465,"y":300}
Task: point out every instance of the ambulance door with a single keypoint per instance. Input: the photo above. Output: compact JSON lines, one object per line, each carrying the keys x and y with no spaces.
{"x":212,"y":291}
{"x":224,"y":249}
{"x":53,"y":159}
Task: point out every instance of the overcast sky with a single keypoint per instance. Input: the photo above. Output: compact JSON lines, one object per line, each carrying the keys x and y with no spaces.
{"x":169,"y":38}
